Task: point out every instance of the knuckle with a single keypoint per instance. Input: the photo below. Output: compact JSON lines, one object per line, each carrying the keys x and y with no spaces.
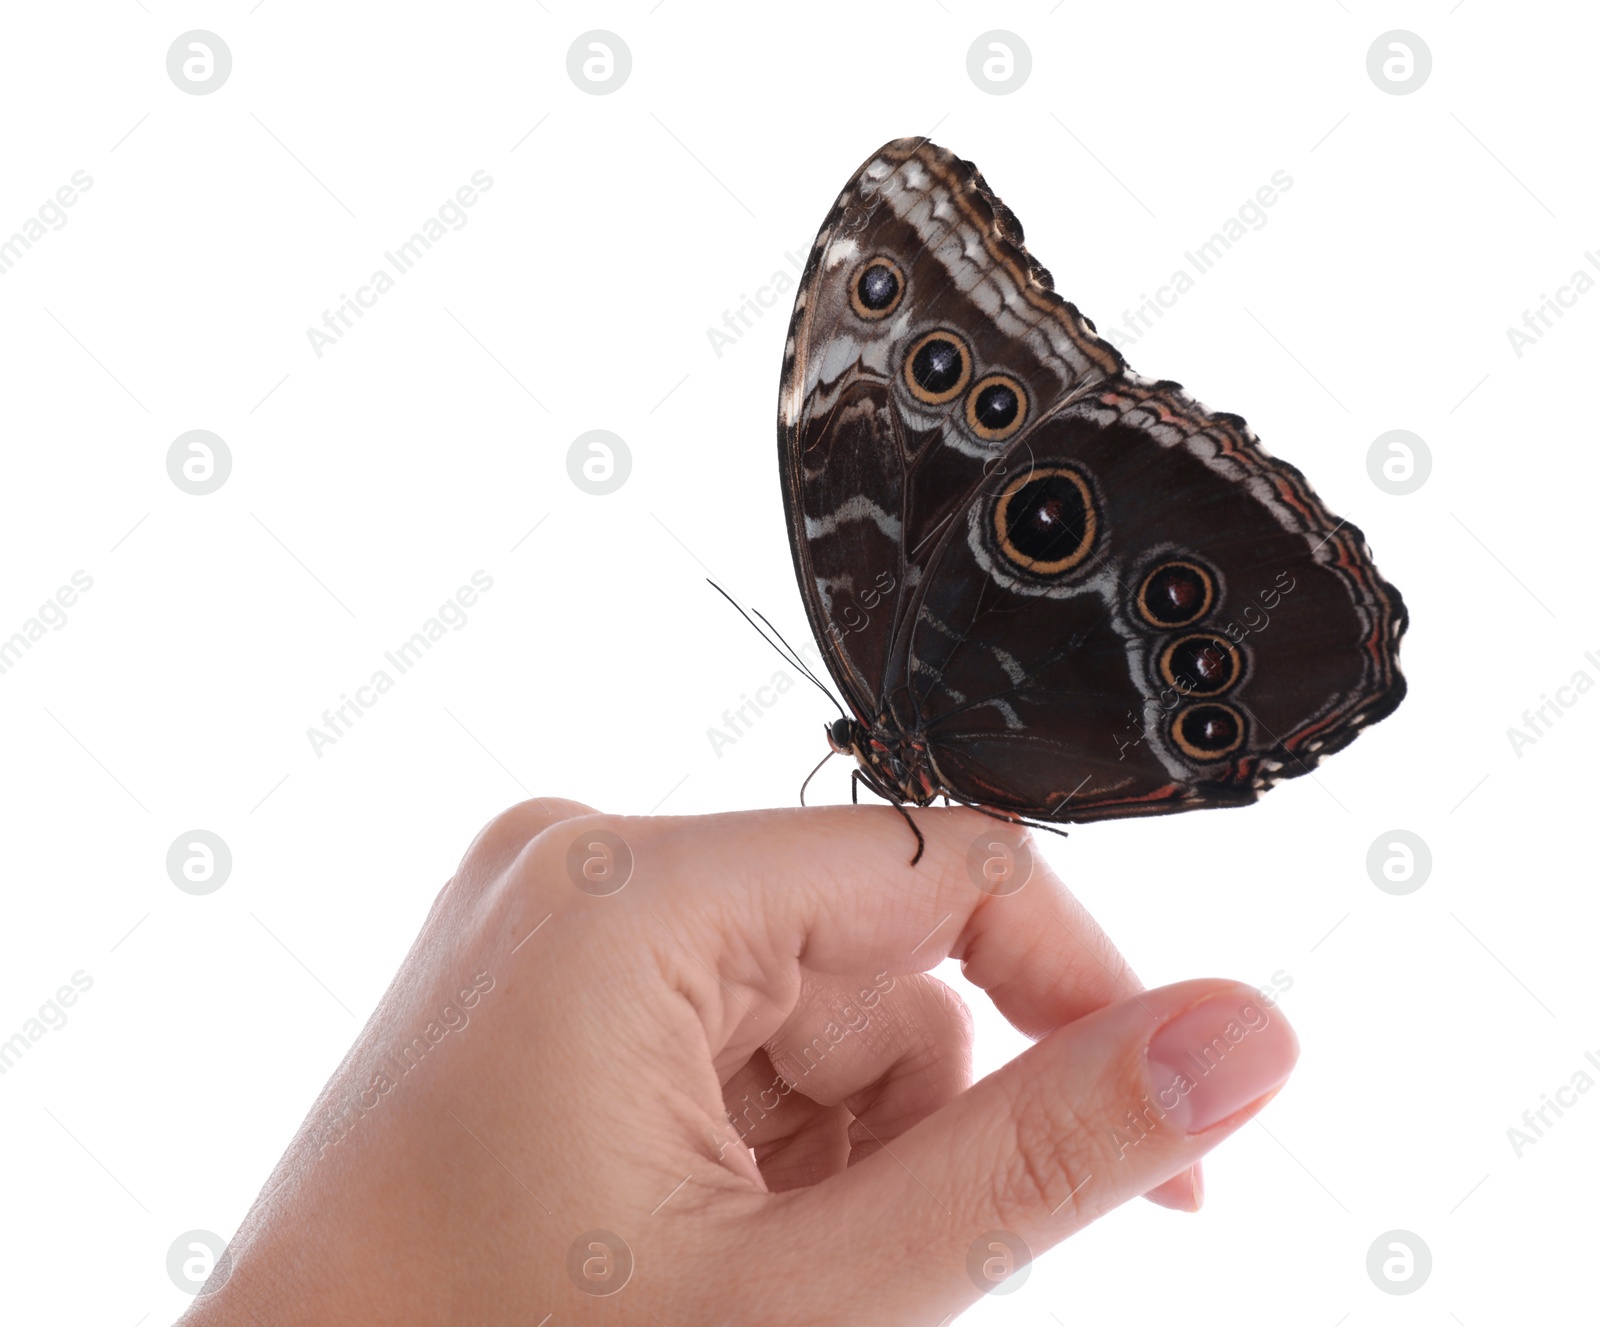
{"x":593,"y":853}
{"x":959,"y":1011}
{"x":943,"y":1002}
{"x":505,"y":836}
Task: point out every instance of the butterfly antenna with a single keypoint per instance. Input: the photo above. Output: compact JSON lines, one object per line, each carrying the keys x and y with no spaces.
{"x":799,"y":663}
{"x":785,"y":651}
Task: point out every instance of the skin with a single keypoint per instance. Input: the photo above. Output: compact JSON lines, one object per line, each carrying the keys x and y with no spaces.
{"x":591,"y":1085}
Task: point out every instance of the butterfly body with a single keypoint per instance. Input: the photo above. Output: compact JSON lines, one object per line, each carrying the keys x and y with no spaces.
{"x":1047,"y":586}
{"x":892,"y":762}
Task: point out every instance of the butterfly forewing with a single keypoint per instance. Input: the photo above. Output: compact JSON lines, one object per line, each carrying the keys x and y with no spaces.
{"x":912,"y":292}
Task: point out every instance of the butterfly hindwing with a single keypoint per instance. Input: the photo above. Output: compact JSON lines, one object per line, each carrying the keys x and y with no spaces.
{"x":1145,"y":612}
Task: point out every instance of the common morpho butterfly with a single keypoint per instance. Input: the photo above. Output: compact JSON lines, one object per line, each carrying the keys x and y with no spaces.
{"x":1046,"y":586}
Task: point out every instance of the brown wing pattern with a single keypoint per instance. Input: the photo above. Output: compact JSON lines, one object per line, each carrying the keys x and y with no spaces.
{"x":1085,"y":594}
{"x":1059,"y":692}
{"x":873,"y":474}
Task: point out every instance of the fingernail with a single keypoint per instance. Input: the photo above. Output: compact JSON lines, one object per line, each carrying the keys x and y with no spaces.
{"x":1218,"y":1057}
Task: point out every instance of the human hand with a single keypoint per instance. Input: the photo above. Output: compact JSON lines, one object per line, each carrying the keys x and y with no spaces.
{"x":726,"y":1091}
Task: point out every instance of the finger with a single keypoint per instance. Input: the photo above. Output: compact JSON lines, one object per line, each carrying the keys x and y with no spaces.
{"x":891,"y":1050}
{"x":748,"y":893}
{"x":1033,"y":1000}
{"x":831,"y":1099}
{"x":1098,"y":1112}
{"x":857,"y":1064}
{"x":1184,"y":1192}
{"x":1023,"y":937}
{"x":1034,"y":935}
{"x":795,"y":1141}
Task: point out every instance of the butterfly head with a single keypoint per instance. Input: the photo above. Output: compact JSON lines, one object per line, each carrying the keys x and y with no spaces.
{"x":842,"y":735}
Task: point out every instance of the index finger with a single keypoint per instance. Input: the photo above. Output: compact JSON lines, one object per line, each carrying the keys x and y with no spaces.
{"x":833,"y":889}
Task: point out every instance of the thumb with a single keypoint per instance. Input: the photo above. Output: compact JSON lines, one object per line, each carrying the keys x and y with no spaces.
{"x":1100,"y":1111}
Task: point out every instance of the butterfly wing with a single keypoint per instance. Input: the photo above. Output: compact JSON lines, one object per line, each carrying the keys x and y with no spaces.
{"x":873,"y":468}
{"x":1089,"y":594}
{"x":1144,"y":612}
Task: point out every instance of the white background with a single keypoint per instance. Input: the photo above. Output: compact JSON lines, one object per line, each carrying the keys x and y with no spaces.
{"x":369,"y":483}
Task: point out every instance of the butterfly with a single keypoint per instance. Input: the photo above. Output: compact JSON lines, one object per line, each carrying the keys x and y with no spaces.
{"x":1047,"y":587}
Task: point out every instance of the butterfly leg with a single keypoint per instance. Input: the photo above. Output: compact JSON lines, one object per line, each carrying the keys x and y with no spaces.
{"x":855,"y":782}
{"x":1016,"y":820}
{"x":921,"y":842}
